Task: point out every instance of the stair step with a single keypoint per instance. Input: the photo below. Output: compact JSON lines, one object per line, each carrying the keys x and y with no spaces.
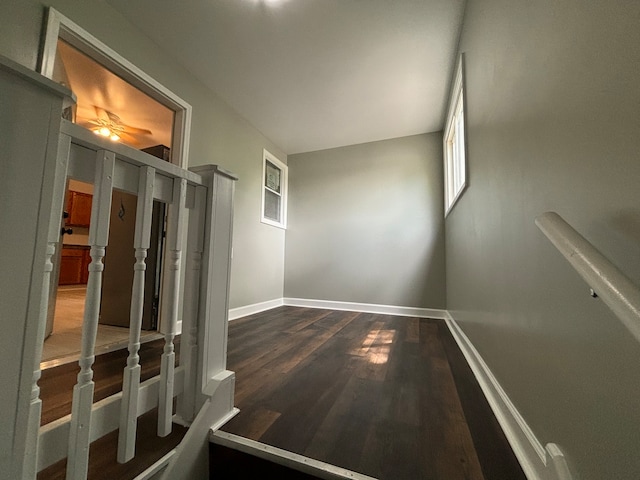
{"x":102,"y":453}
{"x":234,"y":457}
{"x":230,"y":464}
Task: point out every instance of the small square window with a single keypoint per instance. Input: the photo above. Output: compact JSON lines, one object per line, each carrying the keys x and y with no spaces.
{"x":455,"y":163}
{"x":274,"y":191}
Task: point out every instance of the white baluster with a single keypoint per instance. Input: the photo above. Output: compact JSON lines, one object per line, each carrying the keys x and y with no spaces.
{"x":187,"y":407}
{"x":175,"y":227}
{"x":131,"y":375}
{"x":78,"y":454}
{"x":30,"y":469}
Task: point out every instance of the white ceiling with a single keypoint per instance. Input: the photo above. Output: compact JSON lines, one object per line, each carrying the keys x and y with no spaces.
{"x":315,"y":74}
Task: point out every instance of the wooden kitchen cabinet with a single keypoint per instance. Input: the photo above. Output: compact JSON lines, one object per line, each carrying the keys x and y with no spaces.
{"x":74,"y":264}
{"x":79,"y":209}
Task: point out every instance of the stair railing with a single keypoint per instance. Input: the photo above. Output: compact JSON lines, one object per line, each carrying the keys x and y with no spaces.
{"x":615,"y":289}
{"x":199,"y":225}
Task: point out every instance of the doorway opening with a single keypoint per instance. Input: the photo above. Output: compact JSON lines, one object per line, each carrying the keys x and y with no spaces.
{"x":113,"y":93}
{"x":111,"y":107}
{"x":116,"y":100}
{"x":64,"y":326}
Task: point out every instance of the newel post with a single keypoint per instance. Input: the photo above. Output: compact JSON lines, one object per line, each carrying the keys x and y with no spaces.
{"x":212,"y":379}
{"x":34,"y":161}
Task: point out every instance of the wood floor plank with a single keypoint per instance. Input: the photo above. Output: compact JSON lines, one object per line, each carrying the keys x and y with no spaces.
{"x":308,"y":319}
{"x":257,"y":386}
{"x":372,"y":393}
{"x":362,"y":349}
{"x":259,"y":421}
{"x":339,"y":439}
{"x":318,"y":340}
{"x":375,"y":352}
{"x":456,"y":456}
{"x":270,"y":352}
{"x":489,"y":441}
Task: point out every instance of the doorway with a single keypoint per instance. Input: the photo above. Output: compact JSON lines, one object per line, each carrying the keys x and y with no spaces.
{"x":117,"y":277}
{"x":64,"y":326}
{"x":113,"y":95}
{"x":116,"y":100}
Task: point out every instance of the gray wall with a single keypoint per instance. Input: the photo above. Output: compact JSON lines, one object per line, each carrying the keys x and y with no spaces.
{"x":218,"y":134}
{"x":366,"y":223}
{"x":553,"y":103}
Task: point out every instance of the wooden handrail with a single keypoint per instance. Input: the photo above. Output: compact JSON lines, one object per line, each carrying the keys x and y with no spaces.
{"x":615,"y":289}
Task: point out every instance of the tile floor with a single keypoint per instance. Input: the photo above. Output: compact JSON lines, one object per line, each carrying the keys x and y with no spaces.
{"x":63,"y":345}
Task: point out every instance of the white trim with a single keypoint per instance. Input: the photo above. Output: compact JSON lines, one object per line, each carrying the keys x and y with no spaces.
{"x":367,"y":308}
{"x":615,"y":289}
{"x":220,"y":423}
{"x":457,"y":101}
{"x":285,"y":458}
{"x":59,"y":26}
{"x":239,"y":312}
{"x":52,"y":446}
{"x":538,"y":462}
{"x":158,"y":466}
{"x":284,"y":187}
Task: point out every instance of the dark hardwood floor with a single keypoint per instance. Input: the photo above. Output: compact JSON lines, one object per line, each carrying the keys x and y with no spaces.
{"x":389,"y":397}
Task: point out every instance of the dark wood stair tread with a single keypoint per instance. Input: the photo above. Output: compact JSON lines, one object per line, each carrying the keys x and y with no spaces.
{"x":102,"y":453}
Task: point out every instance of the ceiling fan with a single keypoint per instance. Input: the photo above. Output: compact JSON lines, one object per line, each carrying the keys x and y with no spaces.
{"x":108,"y":124}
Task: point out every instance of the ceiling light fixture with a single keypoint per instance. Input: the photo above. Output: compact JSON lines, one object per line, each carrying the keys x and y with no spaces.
{"x":107,"y":132}
{"x":109,"y":125}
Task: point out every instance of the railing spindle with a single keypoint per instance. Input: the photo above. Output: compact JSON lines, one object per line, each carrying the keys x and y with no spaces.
{"x":187,"y":407}
{"x":79,"y":436}
{"x":30,"y":469}
{"x":175,"y":226}
{"x":131,"y":375}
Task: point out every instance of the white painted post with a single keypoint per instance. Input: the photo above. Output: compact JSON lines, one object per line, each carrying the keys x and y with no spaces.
{"x":30,"y":467}
{"x":175,"y":227}
{"x":131,"y":375}
{"x":216,"y":269}
{"x":215,"y":386}
{"x":79,"y":439}
{"x":187,"y":407}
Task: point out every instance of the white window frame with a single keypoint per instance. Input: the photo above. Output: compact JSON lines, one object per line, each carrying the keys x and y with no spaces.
{"x":455,"y":142}
{"x":284,"y":187}
{"x":59,"y":26}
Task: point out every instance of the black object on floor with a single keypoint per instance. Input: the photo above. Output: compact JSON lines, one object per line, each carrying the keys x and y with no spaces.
{"x":229,"y":464}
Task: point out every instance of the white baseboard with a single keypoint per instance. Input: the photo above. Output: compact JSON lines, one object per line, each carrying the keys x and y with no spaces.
{"x":367,"y":308}
{"x":538,"y":462}
{"x":235,"y":313}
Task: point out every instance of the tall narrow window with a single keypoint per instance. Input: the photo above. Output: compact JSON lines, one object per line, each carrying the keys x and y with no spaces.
{"x":455,"y":166}
{"x":274,"y":191}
